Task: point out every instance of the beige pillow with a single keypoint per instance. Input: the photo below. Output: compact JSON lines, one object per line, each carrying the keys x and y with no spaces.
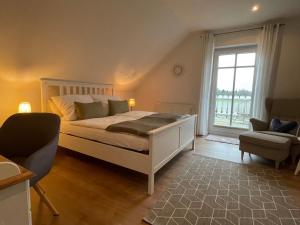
{"x":90,"y":110}
{"x":104,"y":98}
{"x":65,"y":104}
{"x":117,"y":107}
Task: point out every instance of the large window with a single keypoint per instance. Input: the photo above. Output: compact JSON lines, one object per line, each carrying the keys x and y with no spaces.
{"x":234,"y":71}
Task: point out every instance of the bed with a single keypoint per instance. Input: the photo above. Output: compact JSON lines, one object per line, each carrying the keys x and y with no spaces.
{"x":143,"y":154}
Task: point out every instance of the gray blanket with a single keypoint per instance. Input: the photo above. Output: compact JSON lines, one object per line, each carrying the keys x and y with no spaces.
{"x":141,"y":127}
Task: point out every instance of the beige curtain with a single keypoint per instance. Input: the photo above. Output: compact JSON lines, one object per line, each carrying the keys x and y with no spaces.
{"x":266,"y":68}
{"x":207,"y":42}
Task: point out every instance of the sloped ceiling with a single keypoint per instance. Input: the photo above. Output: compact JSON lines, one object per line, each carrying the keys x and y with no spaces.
{"x":220,"y":14}
{"x":99,"y":40}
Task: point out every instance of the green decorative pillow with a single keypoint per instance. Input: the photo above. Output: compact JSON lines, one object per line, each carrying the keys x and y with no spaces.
{"x":116,"y":107}
{"x":90,"y":110}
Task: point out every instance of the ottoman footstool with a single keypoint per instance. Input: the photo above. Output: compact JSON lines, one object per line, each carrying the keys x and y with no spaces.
{"x":268,"y":146}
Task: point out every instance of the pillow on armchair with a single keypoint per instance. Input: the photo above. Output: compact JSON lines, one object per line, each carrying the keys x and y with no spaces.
{"x":290,"y":127}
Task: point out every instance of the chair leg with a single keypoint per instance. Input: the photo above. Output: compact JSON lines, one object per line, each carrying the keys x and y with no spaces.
{"x":41,"y":188}
{"x":194,"y":144}
{"x":45,"y":199}
{"x":242,"y":155}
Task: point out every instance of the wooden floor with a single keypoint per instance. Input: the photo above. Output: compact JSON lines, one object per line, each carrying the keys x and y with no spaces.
{"x":87,"y":191}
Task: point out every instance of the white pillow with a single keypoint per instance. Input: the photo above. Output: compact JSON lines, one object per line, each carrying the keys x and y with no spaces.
{"x":53,"y":108}
{"x":105,"y":98}
{"x":65,"y":104}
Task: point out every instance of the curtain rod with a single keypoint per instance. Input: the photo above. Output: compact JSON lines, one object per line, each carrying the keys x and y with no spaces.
{"x":246,"y":29}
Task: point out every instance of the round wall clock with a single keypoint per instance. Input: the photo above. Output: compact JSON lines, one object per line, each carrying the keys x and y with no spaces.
{"x":178,"y":69}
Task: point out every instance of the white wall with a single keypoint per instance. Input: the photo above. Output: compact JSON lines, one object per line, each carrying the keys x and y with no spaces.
{"x":288,"y":73}
{"x":161,"y":84}
{"x":96,"y":40}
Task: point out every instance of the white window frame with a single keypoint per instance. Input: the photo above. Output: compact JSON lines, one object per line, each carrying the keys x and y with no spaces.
{"x":218,"y":129}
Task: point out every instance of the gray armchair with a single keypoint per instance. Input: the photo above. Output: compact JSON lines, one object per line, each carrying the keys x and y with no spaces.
{"x":30,"y":139}
{"x":274,"y":145}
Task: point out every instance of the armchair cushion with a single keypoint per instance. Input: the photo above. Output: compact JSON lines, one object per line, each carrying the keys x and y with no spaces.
{"x":283,"y":126}
{"x":259,"y":125}
{"x":266,"y":140}
{"x":293,"y":138}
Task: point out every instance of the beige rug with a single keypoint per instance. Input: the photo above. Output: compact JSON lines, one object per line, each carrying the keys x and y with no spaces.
{"x":217,"y":138}
{"x":211,"y":191}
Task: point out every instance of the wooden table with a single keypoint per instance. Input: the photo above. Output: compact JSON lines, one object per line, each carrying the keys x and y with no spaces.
{"x":23,"y":176}
{"x":15,"y":206}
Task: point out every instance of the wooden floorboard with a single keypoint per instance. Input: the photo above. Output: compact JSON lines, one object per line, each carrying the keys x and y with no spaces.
{"x":87,"y":191}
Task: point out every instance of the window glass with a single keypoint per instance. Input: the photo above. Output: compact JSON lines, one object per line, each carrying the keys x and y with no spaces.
{"x":226,"y":60}
{"x":246,"y":59}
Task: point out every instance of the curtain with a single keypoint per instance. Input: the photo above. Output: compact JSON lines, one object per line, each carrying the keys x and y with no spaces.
{"x":207,"y":42}
{"x":265,"y":72}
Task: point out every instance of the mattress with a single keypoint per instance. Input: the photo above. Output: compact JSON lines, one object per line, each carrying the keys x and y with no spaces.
{"x":94,"y":129}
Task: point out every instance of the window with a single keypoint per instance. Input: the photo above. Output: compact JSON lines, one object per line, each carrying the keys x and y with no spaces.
{"x":233,"y":78}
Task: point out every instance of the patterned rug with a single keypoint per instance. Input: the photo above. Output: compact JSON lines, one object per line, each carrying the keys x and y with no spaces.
{"x":217,"y":138}
{"x":215,"y":192}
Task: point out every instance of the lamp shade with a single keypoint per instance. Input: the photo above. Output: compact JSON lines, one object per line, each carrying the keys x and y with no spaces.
{"x":24,"y":107}
{"x":131,"y":102}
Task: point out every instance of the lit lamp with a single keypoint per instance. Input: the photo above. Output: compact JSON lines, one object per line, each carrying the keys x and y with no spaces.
{"x":24,"y":107}
{"x":131,"y":103}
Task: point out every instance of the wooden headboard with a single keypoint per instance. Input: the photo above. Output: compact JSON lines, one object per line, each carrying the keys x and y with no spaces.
{"x":56,"y":87}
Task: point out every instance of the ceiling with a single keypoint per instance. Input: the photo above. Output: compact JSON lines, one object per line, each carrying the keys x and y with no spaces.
{"x":220,"y":14}
{"x":116,"y":41}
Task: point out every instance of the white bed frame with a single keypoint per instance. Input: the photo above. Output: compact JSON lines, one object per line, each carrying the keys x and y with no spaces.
{"x":164,"y":142}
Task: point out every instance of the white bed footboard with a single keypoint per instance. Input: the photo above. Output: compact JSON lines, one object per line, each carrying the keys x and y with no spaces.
{"x":166,"y":142}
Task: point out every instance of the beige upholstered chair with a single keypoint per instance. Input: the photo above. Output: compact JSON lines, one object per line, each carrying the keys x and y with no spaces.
{"x":269,"y":144}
